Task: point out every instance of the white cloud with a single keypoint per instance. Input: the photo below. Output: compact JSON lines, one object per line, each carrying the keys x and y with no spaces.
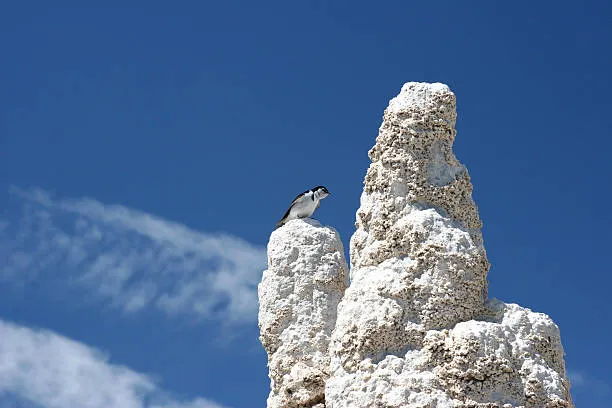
{"x":577,"y":378}
{"x":53,"y":371}
{"x":589,"y":390}
{"x":584,"y":381}
{"x":130,"y":259}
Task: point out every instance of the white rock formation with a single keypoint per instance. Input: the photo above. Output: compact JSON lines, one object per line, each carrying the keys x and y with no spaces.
{"x":414,"y":328}
{"x":298,"y":297}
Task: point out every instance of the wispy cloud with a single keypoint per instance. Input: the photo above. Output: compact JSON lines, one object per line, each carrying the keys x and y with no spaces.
{"x":53,"y":371}
{"x":128,"y":258}
{"x":581,"y":379}
{"x":589,"y":390}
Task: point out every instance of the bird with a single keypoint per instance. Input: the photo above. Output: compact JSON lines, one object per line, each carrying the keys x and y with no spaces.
{"x":304,"y":204}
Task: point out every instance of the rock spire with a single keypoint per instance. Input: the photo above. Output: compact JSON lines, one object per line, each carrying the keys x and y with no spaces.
{"x":414,"y":328}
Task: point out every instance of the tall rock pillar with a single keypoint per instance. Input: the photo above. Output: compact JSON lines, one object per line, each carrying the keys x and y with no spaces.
{"x":298,"y":297}
{"x":415,"y":329}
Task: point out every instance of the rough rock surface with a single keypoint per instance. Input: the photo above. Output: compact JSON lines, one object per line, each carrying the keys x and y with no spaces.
{"x":417,"y":257}
{"x":298,"y":296}
{"x":414,"y":328}
{"x":512,"y":359}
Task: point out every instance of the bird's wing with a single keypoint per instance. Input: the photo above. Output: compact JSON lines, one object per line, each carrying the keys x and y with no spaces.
{"x":291,"y":205}
{"x":287,"y":213}
{"x":298,"y":196}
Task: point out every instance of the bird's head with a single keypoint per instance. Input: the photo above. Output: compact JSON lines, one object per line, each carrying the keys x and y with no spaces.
{"x":321,"y":192}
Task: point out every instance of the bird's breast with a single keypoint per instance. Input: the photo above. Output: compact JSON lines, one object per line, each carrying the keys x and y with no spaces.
{"x":304,"y":208}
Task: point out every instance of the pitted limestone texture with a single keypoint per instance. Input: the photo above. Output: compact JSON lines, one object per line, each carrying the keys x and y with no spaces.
{"x":413,"y":167}
{"x":514,"y":360}
{"x":414,"y":328}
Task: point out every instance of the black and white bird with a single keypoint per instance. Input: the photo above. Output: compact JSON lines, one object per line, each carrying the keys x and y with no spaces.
{"x":304,"y":205}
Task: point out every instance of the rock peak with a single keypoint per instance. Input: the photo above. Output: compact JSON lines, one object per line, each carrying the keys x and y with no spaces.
{"x":418,"y":94}
{"x":298,"y":297}
{"x":413,"y":168}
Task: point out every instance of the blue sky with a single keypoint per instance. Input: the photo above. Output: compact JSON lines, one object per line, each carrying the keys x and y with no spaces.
{"x":147,"y":150}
